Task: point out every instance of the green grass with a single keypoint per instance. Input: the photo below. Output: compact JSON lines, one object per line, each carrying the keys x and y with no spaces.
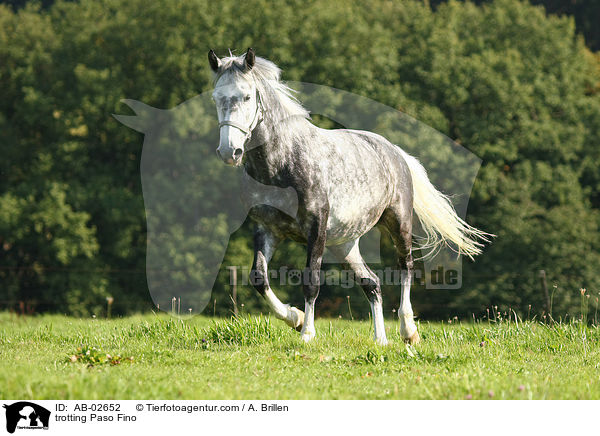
{"x":155,"y":356}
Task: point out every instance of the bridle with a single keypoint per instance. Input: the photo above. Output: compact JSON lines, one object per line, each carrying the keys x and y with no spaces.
{"x":256,"y":120}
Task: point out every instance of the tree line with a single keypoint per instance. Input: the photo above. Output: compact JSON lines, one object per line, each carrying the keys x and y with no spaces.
{"x":514,"y":84}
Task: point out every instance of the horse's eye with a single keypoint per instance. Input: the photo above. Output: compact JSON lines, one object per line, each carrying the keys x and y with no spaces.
{"x":246,"y":97}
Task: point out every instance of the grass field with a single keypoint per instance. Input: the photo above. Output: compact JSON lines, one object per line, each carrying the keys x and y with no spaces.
{"x":259,"y":358}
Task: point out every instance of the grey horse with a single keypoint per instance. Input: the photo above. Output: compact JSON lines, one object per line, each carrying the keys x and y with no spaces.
{"x":347,"y":182}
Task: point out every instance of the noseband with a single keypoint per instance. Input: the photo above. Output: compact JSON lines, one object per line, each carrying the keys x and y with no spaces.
{"x":256,"y":120}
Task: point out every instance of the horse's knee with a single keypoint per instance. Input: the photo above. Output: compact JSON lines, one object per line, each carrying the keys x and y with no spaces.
{"x":258,"y":280}
{"x":311,"y":285}
{"x":311,"y":292}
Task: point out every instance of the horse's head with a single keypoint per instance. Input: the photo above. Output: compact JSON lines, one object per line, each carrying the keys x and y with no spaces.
{"x":238,"y":104}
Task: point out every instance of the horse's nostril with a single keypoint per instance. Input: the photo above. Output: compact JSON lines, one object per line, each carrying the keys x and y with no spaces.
{"x":219,"y":153}
{"x":237,"y":153}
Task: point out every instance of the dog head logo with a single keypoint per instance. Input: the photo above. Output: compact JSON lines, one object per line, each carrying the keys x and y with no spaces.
{"x":26,"y":415}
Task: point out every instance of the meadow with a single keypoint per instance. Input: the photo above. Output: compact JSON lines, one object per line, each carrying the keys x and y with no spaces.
{"x":158,"y":356}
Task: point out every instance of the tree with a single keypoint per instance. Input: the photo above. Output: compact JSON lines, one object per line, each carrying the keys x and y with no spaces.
{"x":515,"y":86}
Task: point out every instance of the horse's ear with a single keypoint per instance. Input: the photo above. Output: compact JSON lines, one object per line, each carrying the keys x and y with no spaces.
{"x":214,"y":61}
{"x":250,"y":59}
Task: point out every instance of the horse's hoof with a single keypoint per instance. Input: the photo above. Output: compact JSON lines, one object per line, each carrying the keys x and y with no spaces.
{"x":413,"y":339}
{"x":381,"y":341}
{"x":307,"y":337}
{"x":297,"y":319}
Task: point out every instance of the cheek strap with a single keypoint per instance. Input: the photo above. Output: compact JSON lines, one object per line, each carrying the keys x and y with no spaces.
{"x":256,"y":120}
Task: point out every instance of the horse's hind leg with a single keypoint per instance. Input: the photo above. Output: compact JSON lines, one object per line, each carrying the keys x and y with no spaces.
{"x":264,"y":246}
{"x":350,"y":254}
{"x":399,"y":223}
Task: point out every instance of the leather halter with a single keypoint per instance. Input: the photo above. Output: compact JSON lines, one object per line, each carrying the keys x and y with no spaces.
{"x":258,"y":118}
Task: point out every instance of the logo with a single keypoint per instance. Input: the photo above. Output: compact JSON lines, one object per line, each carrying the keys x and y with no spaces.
{"x":26,"y":415}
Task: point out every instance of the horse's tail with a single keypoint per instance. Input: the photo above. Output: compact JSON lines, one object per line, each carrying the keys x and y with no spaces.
{"x":438,"y":218}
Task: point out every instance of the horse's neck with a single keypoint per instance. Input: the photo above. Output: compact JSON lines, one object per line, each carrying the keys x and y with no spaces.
{"x":268,"y":156}
{"x":257,"y":164}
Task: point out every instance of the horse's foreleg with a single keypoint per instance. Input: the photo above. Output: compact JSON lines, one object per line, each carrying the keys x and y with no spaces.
{"x":264,"y":246}
{"x":312,"y":278}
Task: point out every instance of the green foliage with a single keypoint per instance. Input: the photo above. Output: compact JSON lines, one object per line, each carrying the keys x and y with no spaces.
{"x":519,"y":102}
{"x":51,"y":250}
{"x":515,"y":86}
{"x":585,"y":13}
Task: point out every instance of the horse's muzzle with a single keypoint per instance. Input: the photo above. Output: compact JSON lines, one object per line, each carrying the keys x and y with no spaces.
{"x":233,"y":158}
